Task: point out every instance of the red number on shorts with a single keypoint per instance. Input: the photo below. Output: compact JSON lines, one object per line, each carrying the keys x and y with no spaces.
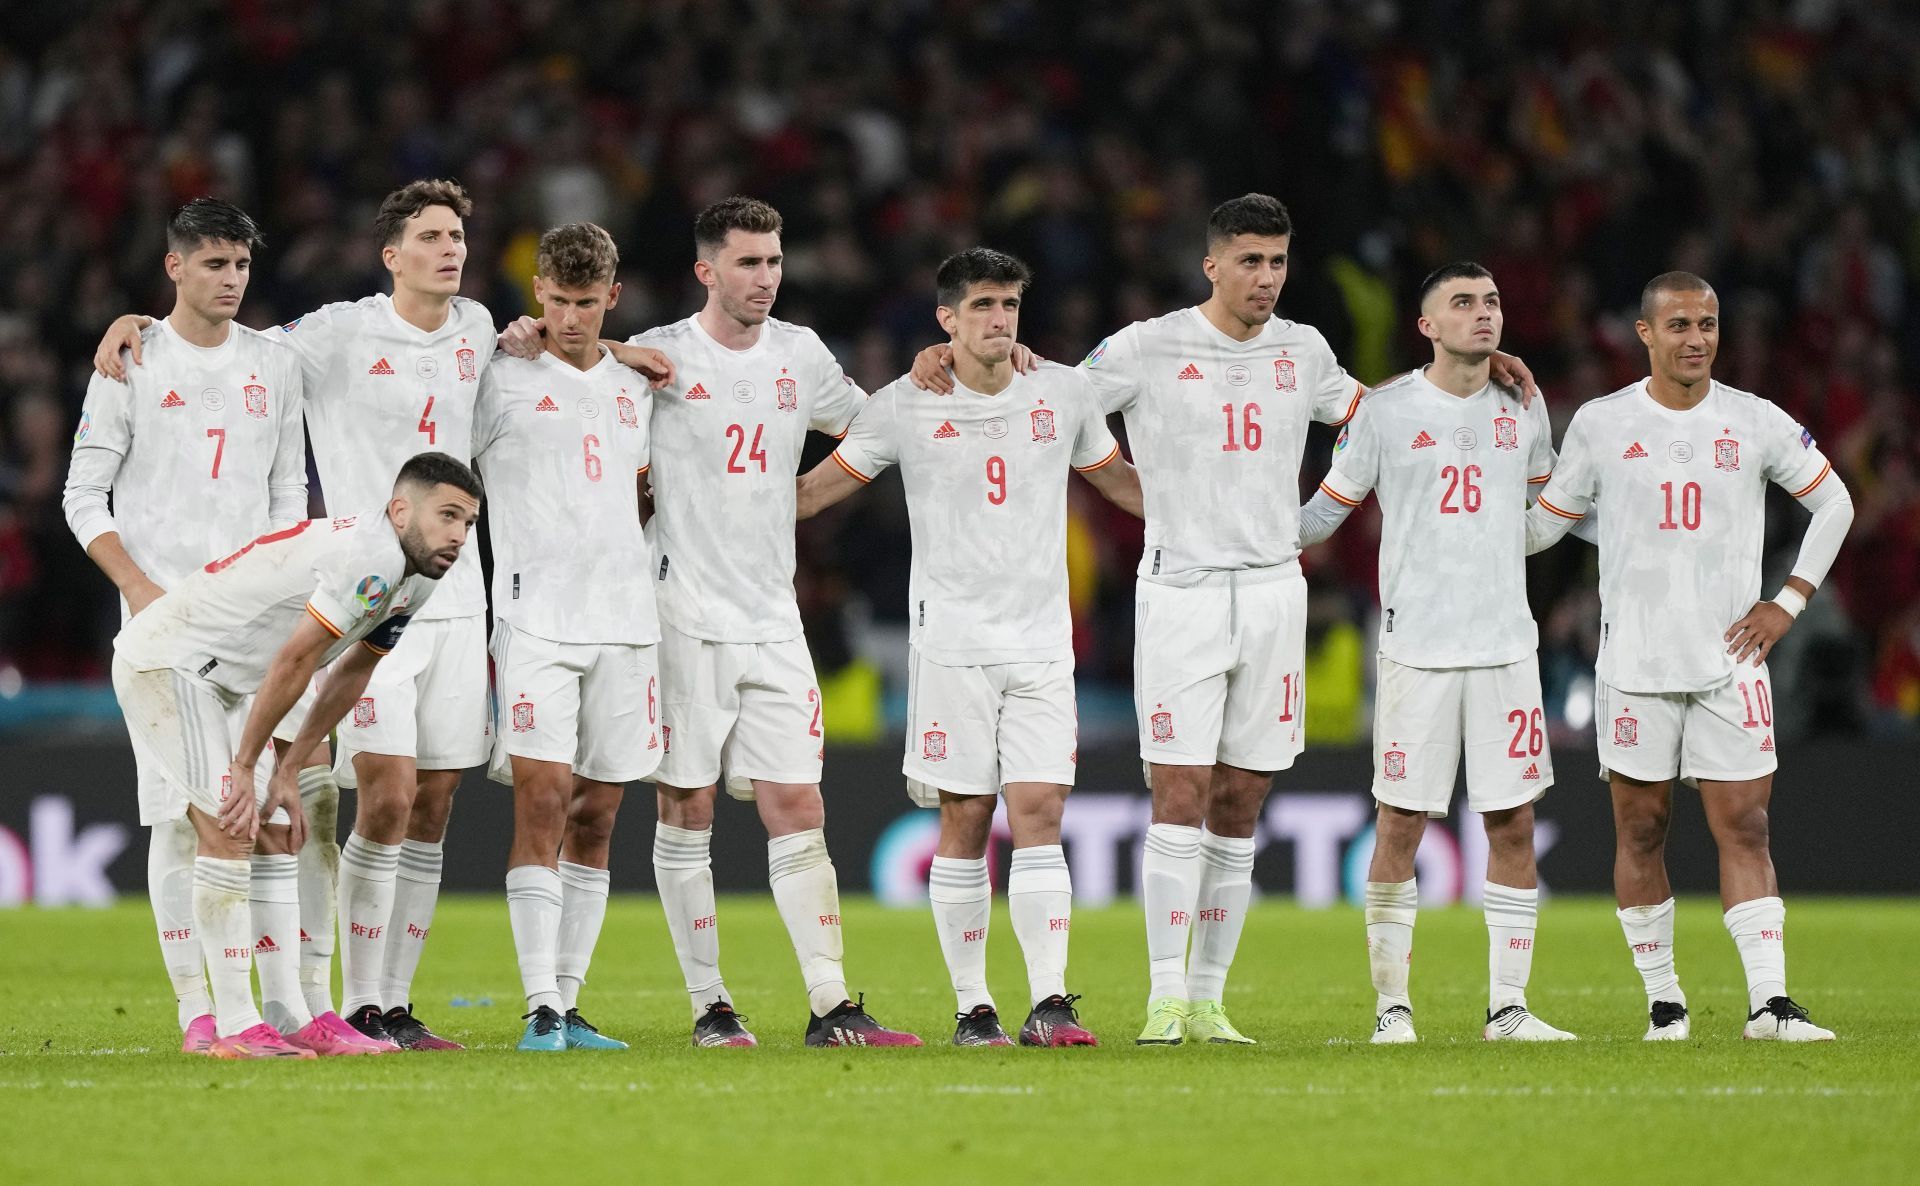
{"x":1290,"y":685}
{"x":430,"y":427}
{"x":1689,"y":507}
{"x":1759,"y":693}
{"x":592,"y":462}
{"x":813,"y":698}
{"x":1527,"y":732}
{"x":738,"y":435}
{"x":1250,"y":433}
{"x":219,"y":436}
{"x":1460,"y":480}
{"x":651,"y":681}
{"x":997,"y":479}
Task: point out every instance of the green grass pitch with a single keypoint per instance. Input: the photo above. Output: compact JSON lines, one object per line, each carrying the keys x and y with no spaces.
{"x":93,"y":1090}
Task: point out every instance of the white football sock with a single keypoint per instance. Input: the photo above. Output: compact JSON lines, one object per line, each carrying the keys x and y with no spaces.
{"x":416,"y":890}
{"x":807,"y":892}
{"x":1392,"y":907}
{"x":1512,"y":915}
{"x":225,"y":922}
{"x":367,"y":872}
{"x":274,"y":896}
{"x":962,"y":907}
{"x":170,"y":849}
{"x":1759,"y":930}
{"x":1169,"y":888}
{"x":535,"y":902}
{"x":1220,"y":912}
{"x":683,"y":869}
{"x":583,"y":909}
{"x":1040,"y":899}
{"x":319,"y":862}
{"x":1649,"y":931}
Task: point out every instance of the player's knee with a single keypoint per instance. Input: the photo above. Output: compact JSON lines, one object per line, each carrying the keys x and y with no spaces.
{"x":428,"y":815}
{"x":1397,"y":831}
{"x":1641,"y":831}
{"x":1511,"y":829}
{"x":590,"y":826}
{"x":1746,"y":829}
{"x":692,"y":810}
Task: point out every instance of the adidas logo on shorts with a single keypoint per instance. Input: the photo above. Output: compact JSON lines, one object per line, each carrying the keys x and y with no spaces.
{"x":1532,"y":774}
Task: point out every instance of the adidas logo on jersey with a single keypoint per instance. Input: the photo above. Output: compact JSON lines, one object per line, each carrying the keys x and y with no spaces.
{"x":382,"y":367}
{"x":173,"y":400}
{"x":1192,"y":372}
{"x":946,"y":431}
{"x":1532,"y":774}
{"x":1423,"y":441}
{"x":698,"y":391}
{"x":1634,"y":450}
{"x":546,"y":404}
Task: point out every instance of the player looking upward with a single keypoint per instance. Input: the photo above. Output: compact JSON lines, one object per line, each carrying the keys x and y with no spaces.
{"x":563,"y":437}
{"x":1453,"y":457}
{"x":1680,"y":463}
{"x":991,"y":696}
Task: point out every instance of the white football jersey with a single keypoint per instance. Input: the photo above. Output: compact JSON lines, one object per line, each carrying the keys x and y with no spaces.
{"x":1452,"y":475}
{"x":728,"y":435}
{"x":225,"y":622}
{"x":562,"y":447}
{"x":199,"y":451}
{"x":1684,"y":498}
{"x":986,"y":482}
{"x":1217,"y":428}
{"x":380,"y":390}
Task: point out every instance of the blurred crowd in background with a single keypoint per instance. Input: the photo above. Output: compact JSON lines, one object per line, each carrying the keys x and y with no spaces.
{"x":1576,"y":149}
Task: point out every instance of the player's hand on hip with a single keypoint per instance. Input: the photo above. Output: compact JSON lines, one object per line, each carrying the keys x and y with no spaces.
{"x":524,"y":338}
{"x":930,"y":369}
{"x":283,"y":793}
{"x":1755,"y":634}
{"x":239,"y":816}
{"x":1025,"y":361}
{"x":123,"y":334}
{"x":1509,"y":371}
{"x":143,"y":595}
{"x":657,"y":367}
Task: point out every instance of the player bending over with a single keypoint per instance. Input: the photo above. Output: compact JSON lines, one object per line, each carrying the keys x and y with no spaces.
{"x":1680,"y":465}
{"x":990,"y":696}
{"x":1454,"y":458}
{"x":563,"y":438}
{"x":258,"y":624}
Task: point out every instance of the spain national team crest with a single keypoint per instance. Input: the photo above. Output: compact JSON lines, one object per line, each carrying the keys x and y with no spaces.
{"x":786,"y":394}
{"x":1393,"y":765}
{"x":1042,"y":424}
{"x":256,"y":401}
{"x":463,"y":361}
{"x":629,"y":415}
{"x":523,"y":717}
{"x":933,"y":746}
{"x":1626,"y":732}
{"x":1284,"y":377}
{"x":363,"y":714}
{"x":1506,"y":433}
{"x":1161,"y":725}
{"x":1726,"y":454}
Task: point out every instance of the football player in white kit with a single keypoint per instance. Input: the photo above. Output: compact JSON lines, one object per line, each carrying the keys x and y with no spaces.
{"x":576,"y":714}
{"x":1454,"y":458}
{"x":1216,"y":399}
{"x":739,"y":701}
{"x":208,"y":670}
{"x":990,"y":703}
{"x":1679,"y":465}
{"x":199,"y":451}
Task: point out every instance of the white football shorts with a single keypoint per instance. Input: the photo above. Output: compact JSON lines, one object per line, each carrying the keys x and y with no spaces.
{"x":592,"y":706}
{"x":185,"y":732}
{"x":972,"y":730}
{"x":426,"y":701}
{"x":739,"y":711}
{"x":1724,"y":734}
{"x":1423,"y":719}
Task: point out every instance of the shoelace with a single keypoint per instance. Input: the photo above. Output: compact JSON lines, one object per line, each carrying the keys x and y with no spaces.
{"x":724,"y":1010}
{"x":1062,"y":1004}
{"x":1665,"y":1013}
{"x":573,"y":1015}
{"x":1788,"y":1010}
{"x":545,"y":1020}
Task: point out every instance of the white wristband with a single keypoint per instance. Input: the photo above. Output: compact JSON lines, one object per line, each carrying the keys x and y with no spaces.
{"x":1789,"y":599}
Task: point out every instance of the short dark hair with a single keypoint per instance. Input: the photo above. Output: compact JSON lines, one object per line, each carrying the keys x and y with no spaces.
{"x":737,"y":213}
{"x":1248,"y":214}
{"x":210,"y":220}
{"x":413,"y":197}
{"x":1668,"y":282}
{"x":439,"y":469}
{"x":577,"y":255}
{"x":1459,"y":270}
{"x":977,"y":265}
